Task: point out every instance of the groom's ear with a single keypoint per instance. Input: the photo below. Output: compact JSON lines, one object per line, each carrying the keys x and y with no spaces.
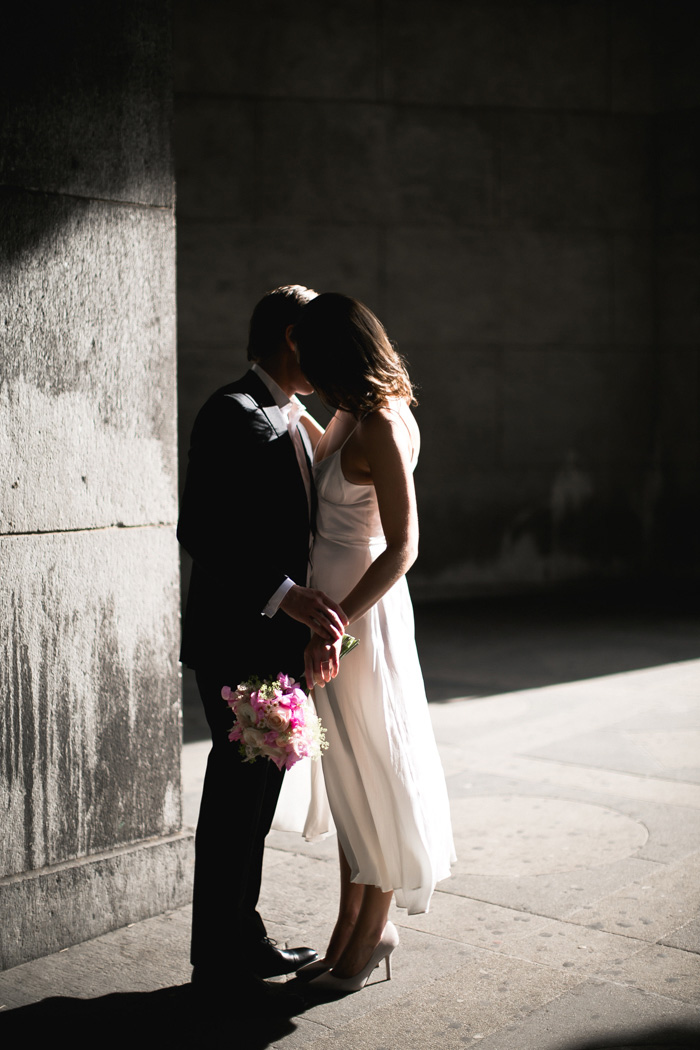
{"x":288,"y":333}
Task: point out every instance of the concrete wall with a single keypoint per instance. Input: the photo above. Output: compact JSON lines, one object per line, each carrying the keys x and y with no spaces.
{"x":484,"y":175}
{"x":90,"y":733}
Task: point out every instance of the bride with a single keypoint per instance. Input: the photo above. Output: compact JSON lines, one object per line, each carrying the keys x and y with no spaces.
{"x":383,"y":776}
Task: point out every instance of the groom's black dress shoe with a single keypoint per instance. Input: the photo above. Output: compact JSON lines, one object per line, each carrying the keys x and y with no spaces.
{"x":267,"y":960}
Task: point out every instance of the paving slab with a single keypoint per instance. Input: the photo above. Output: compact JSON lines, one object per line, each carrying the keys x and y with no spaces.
{"x":674,"y":830}
{"x":686,"y":936}
{"x":475,"y":922}
{"x":672,"y":823}
{"x":549,"y":942}
{"x":598,"y":781}
{"x":566,"y":946}
{"x":650,"y":907}
{"x":554,"y":895}
{"x":538,"y":836}
{"x":299,"y":887}
{"x":420,"y":964}
{"x":546,"y":715}
{"x":486,"y":994}
{"x":597,"y":1016}
{"x":668,"y":753}
{"x":666,"y":971}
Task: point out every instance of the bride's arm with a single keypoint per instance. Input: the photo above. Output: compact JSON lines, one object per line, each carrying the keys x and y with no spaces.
{"x":385,"y":445}
{"x":385,"y":442}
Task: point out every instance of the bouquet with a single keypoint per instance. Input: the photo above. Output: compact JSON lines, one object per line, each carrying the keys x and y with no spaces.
{"x":276,"y":719}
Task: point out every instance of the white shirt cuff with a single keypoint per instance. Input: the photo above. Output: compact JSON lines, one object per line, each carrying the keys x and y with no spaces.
{"x":276,"y":599}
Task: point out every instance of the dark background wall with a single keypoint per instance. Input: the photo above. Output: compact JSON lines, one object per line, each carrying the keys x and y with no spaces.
{"x":676,"y":282}
{"x":90,"y":798}
{"x":513,"y":188}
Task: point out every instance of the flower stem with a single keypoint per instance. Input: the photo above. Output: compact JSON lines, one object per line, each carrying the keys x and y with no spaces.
{"x":347,"y":644}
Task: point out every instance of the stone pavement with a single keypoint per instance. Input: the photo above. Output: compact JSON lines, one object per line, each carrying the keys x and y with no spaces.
{"x":570,"y":737}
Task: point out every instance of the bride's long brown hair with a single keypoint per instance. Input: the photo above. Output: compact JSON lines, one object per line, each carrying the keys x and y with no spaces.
{"x":346,"y":354}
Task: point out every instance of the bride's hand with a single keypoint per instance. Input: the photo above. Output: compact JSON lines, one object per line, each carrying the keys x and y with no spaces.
{"x":314,"y":608}
{"x":321,"y":660}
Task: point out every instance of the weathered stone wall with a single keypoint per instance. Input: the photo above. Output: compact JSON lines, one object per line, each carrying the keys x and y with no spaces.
{"x":90,"y":811}
{"x":484,"y":175}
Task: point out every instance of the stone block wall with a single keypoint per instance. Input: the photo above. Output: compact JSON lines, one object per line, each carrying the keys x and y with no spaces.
{"x":90,"y":812}
{"x":486,"y":177}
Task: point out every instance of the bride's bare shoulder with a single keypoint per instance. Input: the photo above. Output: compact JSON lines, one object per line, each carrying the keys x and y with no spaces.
{"x":393,"y":422}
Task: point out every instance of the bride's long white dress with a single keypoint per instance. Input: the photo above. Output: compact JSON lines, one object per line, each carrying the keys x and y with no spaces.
{"x":385,"y":783}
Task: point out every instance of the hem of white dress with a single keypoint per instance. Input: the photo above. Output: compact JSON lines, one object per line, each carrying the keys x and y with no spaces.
{"x":409,"y":908}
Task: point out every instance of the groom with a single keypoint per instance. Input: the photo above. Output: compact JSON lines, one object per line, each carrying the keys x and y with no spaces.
{"x":246,"y":518}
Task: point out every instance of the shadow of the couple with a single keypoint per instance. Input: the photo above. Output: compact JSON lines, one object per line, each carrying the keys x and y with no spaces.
{"x":171,"y":1016}
{"x":175,"y":1016}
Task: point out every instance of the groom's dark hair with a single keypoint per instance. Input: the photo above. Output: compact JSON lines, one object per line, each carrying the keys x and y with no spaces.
{"x":272,"y":316}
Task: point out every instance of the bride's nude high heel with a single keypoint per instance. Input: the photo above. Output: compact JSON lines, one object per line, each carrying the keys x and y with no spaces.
{"x":328,"y":982}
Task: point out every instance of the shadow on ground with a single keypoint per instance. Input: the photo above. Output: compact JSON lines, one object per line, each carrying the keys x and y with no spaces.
{"x":171,"y":1015}
{"x":168,"y":1016}
{"x":668,"y":1037}
{"x":499,"y":645}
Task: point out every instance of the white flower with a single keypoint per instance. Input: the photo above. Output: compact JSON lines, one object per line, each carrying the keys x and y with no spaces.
{"x":245,"y":714}
{"x":253,"y":737}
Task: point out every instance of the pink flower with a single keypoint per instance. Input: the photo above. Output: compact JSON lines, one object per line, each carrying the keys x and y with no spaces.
{"x":257,"y":702}
{"x":278,"y":718}
{"x":294,"y":698}
{"x":277,"y":759}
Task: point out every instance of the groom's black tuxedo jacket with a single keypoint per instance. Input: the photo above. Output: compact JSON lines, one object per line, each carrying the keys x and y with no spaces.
{"x":244,"y":519}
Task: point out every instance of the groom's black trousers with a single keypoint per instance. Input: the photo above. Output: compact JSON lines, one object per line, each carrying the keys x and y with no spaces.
{"x":238,"y":804}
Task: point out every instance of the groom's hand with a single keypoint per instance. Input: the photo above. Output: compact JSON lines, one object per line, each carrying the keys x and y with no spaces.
{"x":316,"y":610}
{"x":321,"y":660}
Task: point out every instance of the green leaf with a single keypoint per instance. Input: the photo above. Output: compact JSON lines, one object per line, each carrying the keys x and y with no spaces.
{"x":347,"y":644}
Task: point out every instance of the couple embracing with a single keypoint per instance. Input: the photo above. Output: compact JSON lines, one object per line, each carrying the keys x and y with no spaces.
{"x":296,"y":534}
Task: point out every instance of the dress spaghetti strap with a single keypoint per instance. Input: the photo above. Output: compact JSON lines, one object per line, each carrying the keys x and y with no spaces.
{"x":410,"y":435}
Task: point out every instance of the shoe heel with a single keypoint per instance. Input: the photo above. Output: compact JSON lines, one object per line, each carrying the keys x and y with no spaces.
{"x":388,"y":967}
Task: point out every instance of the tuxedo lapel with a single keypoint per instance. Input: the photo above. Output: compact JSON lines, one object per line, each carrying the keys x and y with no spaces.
{"x":253,"y":392}
{"x":253,"y":386}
